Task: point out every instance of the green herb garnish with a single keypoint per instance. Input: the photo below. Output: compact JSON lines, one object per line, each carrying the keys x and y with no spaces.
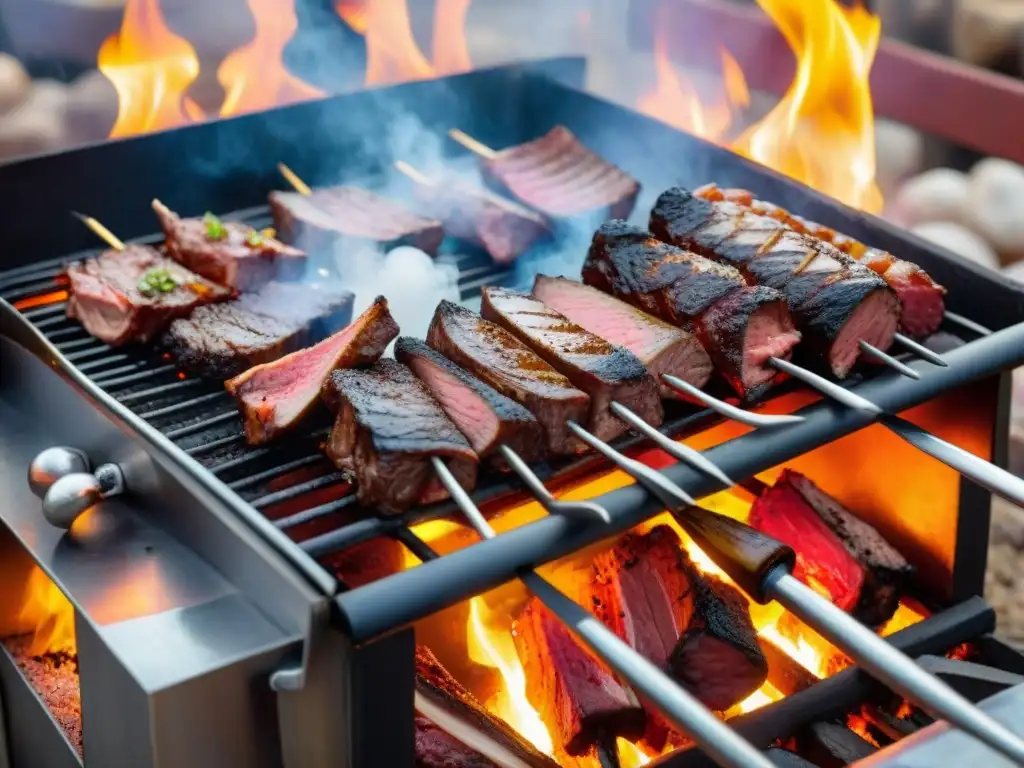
{"x":215,"y":229}
{"x":255,"y":239}
{"x":157,"y":281}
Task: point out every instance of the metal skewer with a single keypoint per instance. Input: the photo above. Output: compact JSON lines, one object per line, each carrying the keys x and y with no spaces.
{"x":679,"y":706}
{"x":762,"y":567}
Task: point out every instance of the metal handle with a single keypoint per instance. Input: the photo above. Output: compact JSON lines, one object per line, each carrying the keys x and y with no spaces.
{"x":62,"y":477}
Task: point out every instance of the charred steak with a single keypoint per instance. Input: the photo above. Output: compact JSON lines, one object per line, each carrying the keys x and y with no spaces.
{"x":495,"y":356}
{"x":275,"y":396}
{"x":388,"y":427}
{"x":604,"y":371}
{"x":132,"y":295}
{"x":223,"y":340}
{"x":486,"y":417}
{"x":228,"y":252}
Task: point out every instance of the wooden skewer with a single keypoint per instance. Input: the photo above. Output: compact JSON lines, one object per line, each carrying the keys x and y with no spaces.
{"x":300,"y":186}
{"x":418,"y":176}
{"x":100,"y":231}
{"x":473,"y":145}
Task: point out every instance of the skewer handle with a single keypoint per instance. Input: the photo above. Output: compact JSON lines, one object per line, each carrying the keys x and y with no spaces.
{"x":474,"y":146}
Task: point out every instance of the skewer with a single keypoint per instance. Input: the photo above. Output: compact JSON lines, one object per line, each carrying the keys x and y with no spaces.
{"x":300,"y":186}
{"x":678,"y":705}
{"x":920,"y":350}
{"x":474,"y":146}
{"x":100,"y":231}
{"x":749,"y":418}
{"x":762,"y":567}
{"x":872,"y":351}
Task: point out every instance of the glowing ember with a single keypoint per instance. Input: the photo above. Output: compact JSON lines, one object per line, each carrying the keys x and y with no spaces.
{"x":766,"y":694}
{"x":41,"y":301}
{"x":254,"y":76}
{"x":630,"y":755}
{"x":151,"y":68}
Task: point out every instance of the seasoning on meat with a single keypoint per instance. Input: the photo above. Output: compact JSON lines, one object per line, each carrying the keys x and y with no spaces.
{"x":274,"y":397}
{"x":485,"y":416}
{"x":229,"y":253}
{"x":388,"y":427}
{"x":604,"y":371}
{"x":133,"y":294}
{"x":740,"y":326}
{"x":223,"y":340}
{"x":495,"y":356}
{"x":661,"y":347}
{"x":836,"y":301}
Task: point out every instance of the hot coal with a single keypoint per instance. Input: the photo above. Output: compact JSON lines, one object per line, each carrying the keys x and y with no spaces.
{"x":223,"y":340}
{"x":822,"y":561}
{"x":576,"y":695}
{"x":437,"y":748}
{"x":559,"y":177}
{"x":662,"y":348}
{"x":740,"y":326}
{"x":495,"y":356}
{"x":274,"y":397}
{"x":785,"y":759}
{"x":604,"y":371}
{"x":886,"y":572}
{"x":133,"y":294}
{"x":229,"y":253}
{"x":485,"y":416}
{"x":388,"y":428}
{"x":836,"y":301}
{"x":785,"y":673}
{"x":54,"y":676}
{"x":350,"y":217}
{"x":833,"y":745}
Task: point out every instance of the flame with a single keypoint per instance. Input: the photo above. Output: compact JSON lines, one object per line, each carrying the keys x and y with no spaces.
{"x":49,"y":613}
{"x":254,"y":76}
{"x":151,"y":68}
{"x":766,"y":694}
{"x":353,"y":13}
{"x":451,"y":52}
{"x":630,"y":755}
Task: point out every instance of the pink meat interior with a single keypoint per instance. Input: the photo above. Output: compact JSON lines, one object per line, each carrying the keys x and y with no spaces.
{"x":466,"y":408}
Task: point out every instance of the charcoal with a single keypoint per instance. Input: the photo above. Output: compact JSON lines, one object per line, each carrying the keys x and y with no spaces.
{"x":833,"y":745}
{"x":785,"y":673}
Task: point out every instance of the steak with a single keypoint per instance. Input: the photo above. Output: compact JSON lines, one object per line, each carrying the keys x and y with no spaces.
{"x":576,"y":695}
{"x":275,"y":396}
{"x":740,"y":326}
{"x":134,"y":294}
{"x":822,"y":562}
{"x":562,"y":179}
{"x":449,"y":700}
{"x":496,"y":357}
{"x":229,"y":253}
{"x":692,"y":625}
{"x":350,"y":216}
{"x":662,"y":348}
{"x":485,"y":416}
{"x":223,"y":340}
{"x":836,"y":301}
{"x":387,"y":430}
{"x":922,"y":298}
{"x":605,"y":372}
{"x":886,"y":572}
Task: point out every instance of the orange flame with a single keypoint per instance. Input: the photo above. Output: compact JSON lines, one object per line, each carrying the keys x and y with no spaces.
{"x":151,"y":68}
{"x":254,"y":76}
{"x":451,"y":51}
{"x":49,"y":613}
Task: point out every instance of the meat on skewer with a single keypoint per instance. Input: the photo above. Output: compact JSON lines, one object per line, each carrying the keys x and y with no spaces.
{"x":922,"y":298}
{"x":228,"y":252}
{"x":387,"y":430}
{"x":836,"y":301}
{"x":740,"y":326}
{"x":275,"y":397}
{"x":604,"y":371}
{"x":134,"y":293}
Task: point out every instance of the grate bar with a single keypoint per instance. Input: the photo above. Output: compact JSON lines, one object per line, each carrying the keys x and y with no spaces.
{"x":300,"y":488}
{"x":70,"y":331}
{"x":183,"y":406}
{"x":199,"y":426}
{"x":131,"y":378}
{"x":75,"y":344}
{"x":315,"y":513}
{"x":93,"y":364}
{"x":50,"y":266}
{"x":176,"y":386}
{"x":57,"y":308}
{"x":84,"y":354}
{"x":201,"y":448}
{"x":33,"y":289}
{"x":49,"y":322}
{"x":268,"y":474}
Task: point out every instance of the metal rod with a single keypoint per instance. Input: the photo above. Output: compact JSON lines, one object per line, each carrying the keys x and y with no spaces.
{"x":874,"y":352}
{"x":920,"y":350}
{"x":678,"y":705}
{"x":884,"y":662}
{"x":583,"y":509}
{"x":758,"y":420}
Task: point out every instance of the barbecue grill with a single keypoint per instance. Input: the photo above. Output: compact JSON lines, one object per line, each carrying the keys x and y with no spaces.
{"x":212,"y":626}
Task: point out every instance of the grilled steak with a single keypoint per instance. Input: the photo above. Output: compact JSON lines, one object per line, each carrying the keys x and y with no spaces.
{"x":350,"y":216}
{"x":388,"y":428}
{"x":223,"y":340}
{"x":228,"y":253}
{"x":661,"y":347}
{"x":132,"y":295}
{"x":822,"y":562}
{"x":922,"y":298}
{"x":274,"y":397}
{"x":886,"y":572}
{"x":575,"y":694}
{"x":836,"y":301}
{"x":446,"y":697}
{"x":559,"y":177}
{"x":469,"y":212}
{"x":495,"y":356}
{"x":740,"y":326}
{"x":605,"y":372}
{"x":690,"y":624}
{"x":486,"y":417}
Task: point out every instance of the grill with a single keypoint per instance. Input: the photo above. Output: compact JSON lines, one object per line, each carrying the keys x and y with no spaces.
{"x":275,"y":522}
